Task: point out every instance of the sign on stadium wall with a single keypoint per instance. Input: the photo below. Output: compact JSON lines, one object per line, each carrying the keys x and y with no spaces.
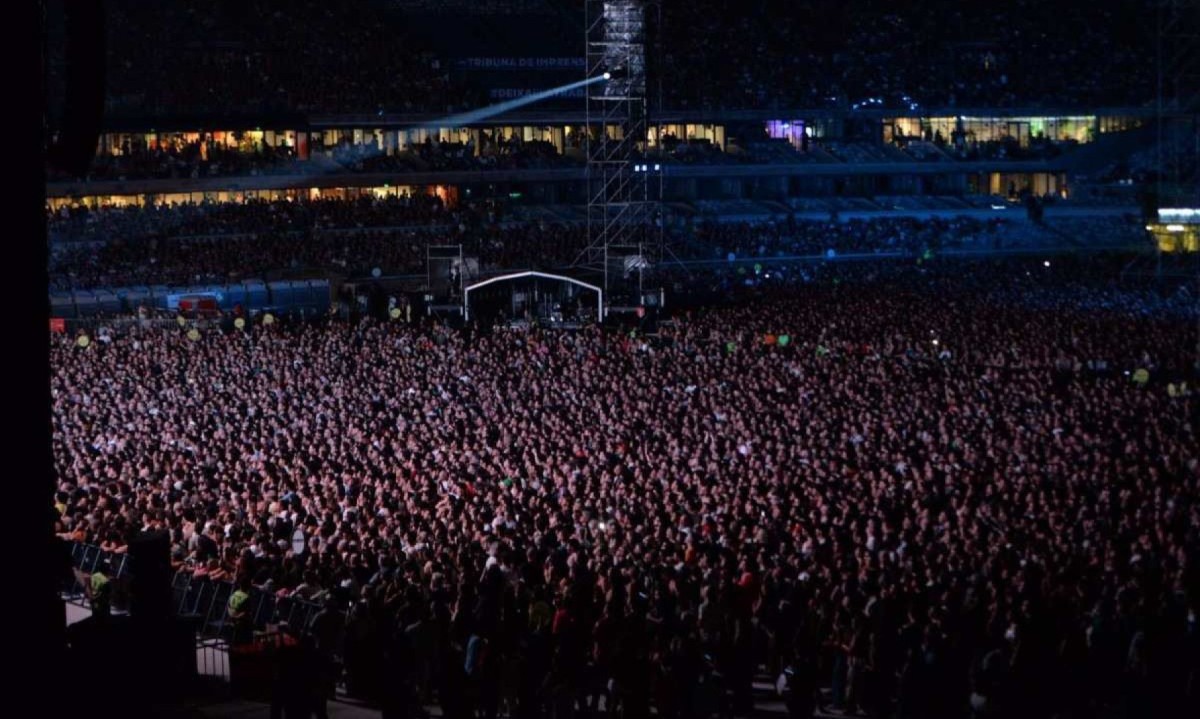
{"x":521,"y":63}
{"x":508,"y":78}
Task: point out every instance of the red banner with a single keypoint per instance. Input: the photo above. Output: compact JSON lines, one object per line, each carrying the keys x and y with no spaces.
{"x":58,"y":325}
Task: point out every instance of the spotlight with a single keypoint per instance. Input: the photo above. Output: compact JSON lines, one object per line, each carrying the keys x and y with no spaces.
{"x":608,"y":76}
{"x":1046,"y":263}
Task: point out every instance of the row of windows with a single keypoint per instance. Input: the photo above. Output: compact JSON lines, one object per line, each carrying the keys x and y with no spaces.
{"x":1023,"y":130}
{"x":448,"y":194}
{"x":991,"y":183}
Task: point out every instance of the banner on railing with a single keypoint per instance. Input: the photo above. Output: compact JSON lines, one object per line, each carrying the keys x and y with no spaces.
{"x":197,"y":302}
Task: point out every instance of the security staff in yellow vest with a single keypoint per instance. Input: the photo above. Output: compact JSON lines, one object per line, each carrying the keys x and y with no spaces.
{"x":99,"y":590}
{"x":239,"y":612}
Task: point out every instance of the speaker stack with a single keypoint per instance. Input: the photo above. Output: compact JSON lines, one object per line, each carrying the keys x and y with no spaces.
{"x":168,"y":643}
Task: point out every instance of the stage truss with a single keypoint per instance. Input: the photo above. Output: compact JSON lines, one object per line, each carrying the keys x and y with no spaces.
{"x":624,"y":206}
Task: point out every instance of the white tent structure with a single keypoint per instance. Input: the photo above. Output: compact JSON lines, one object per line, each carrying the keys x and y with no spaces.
{"x":528,"y":274}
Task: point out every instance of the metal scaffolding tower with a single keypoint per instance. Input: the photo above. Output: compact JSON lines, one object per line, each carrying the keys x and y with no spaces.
{"x":625,"y":233}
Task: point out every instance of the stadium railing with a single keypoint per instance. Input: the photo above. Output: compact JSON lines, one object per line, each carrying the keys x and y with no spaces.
{"x":202,"y":599}
{"x":87,"y":558}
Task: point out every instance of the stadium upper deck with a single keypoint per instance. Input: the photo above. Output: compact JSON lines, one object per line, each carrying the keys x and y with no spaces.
{"x":210,"y":91}
{"x":206,"y":59}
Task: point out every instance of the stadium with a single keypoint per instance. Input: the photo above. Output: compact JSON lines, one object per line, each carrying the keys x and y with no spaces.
{"x":619,"y":358}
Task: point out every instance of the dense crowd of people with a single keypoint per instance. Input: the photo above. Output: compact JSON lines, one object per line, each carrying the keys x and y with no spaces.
{"x":184,"y":160}
{"x":189,"y":160}
{"x":171,"y":160}
{"x":220,"y":242}
{"x":919,"y":487}
{"x":205,"y":57}
{"x":101,"y":224}
{"x":778,"y":54}
{"x":793,"y":237}
{"x":931,"y":490}
{"x":446,"y":156}
{"x":198,"y":58}
{"x":346,"y":253}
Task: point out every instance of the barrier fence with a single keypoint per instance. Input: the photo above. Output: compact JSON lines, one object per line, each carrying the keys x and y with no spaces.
{"x":87,"y":558}
{"x":201,"y":598}
{"x":283,"y":296}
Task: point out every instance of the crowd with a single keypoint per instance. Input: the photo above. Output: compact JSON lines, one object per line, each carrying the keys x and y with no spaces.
{"x":931,"y":490}
{"x":250,"y":56}
{"x":100,"y":224}
{"x":718,"y":240}
{"x":829,"y":54}
{"x":192,"y":244}
{"x":200,"y":58}
{"x":232,"y":242}
{"x":181,"y":160}
{"x":1174,"y":156}
{"x":184,"y":160}
{"x":497,"y":154}
{"x":170,"y":159}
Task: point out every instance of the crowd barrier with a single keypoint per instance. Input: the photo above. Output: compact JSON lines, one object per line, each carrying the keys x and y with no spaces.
{"x":284,"y":296}
{"x":208,"y":602}
{"x":203,"y":600}
{"x":87,"y":558}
